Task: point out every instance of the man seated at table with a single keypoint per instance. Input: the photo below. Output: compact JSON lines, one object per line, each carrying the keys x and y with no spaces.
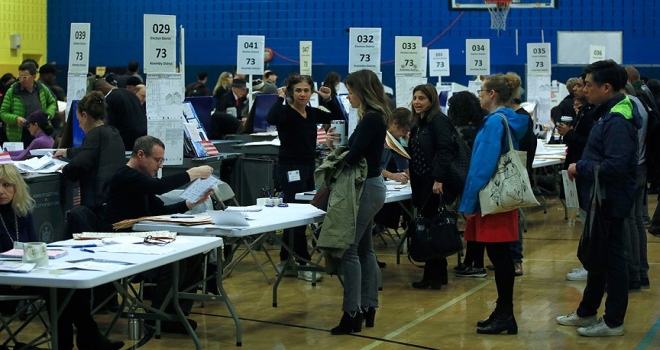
{"x":132,"y":194}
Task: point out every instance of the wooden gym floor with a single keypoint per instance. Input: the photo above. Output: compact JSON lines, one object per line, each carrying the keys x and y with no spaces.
{"x":423,"y":319}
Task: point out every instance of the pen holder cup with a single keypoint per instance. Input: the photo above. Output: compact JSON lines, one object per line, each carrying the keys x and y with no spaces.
{"x":35,"y":252}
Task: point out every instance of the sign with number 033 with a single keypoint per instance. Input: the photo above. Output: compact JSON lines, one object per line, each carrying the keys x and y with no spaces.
{"x":305,"y":58}
{"x":364,"y":49}
{"x":477,"y":56}
{"x":538,"y":59}
{"x":250,"y":54}
{"x":407,"y":56}
{"x":79,"y":48}
{"x":159,"y":44}
{"x":439,"y":63}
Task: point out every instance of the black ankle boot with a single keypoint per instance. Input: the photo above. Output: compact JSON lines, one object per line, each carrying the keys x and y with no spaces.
{"x":349,"y":324}
{"x":369,"y":316}
{"x":486,"y":322}
{"x":500,"y":322}
{"x":424,"y":284}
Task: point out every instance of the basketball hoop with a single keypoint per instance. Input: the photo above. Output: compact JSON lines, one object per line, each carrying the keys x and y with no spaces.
{"x":498,"y":13}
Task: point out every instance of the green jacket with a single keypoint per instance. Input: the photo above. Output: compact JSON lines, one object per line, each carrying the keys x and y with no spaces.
{"x":346,"y":182}
{"x":12,"y":108}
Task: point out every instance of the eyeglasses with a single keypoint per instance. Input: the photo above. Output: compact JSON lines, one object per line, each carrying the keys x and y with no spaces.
{"x":158,"y":160}
{"x":480,"y":91}
{"x":24,"y":77}
{"x":157,"y":241}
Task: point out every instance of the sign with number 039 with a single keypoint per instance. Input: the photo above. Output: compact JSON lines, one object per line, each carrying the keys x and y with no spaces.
{"x":407,"y":56}
{"x":79,"y":48}
{"x":439,"y":63}
{"x":305,"y":58}
{"x":364,"y":49}
{"x":596,"y":53}
{"x":250,"y":54}
{"x":159,"y":44}
{"x":538,"y":59}
{"x":477,"y":56}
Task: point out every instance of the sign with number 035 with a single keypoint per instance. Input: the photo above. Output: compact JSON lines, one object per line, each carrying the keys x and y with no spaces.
{"x":159,"y":44}
{"x":538,"y":59}
{"x":407,"y":56}
{"x":439,"y":63}
{"x":477,"y":56}
{"x":79,"y":48}
{"x":305,"y":58}
{"x":596,"y":53}
{"x":364,"y":49}
{"x":250,"y":54}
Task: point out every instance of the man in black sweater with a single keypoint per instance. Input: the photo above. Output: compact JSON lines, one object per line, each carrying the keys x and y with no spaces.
{"x":124,"y":112}
{"x":132,"y":194}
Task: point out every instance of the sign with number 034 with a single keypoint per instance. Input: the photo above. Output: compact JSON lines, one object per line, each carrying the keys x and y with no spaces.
{"x":79,"y":48}
{"x":305,"y":58}
{"x":439,"y":63}
{"x":364,"y":49}
{"x":477,"y":56}
{"x":407,"y":56}
{"x":159,"y":44}
{"x":538,"y":59}
{"x":250,"y":54}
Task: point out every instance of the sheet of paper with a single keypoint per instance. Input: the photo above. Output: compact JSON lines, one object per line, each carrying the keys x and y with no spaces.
{"x":251,"y":208}
{"x":198,"y":188}
{"x":404,"y":88}
{"x":16,"y":266}
{"x":13,"y":146}
{"x":570,"y":190}
{"x":85,"y":265}
{"x":136,"y":249}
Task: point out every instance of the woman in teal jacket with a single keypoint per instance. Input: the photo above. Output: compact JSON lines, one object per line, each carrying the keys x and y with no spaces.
{"x":495,"y":230}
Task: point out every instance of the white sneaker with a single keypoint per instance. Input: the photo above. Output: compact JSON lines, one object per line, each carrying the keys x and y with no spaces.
{"x":573,"y":319}
{"x":579,"y":274}
{"x":280,"y":266}
{"x":308,"y":276}
{"x":600,"y":329}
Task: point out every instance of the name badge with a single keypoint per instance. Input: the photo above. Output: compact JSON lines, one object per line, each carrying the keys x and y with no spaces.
{"x":293,"y":175}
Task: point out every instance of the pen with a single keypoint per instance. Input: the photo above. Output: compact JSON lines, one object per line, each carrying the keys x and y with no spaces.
{"x":87,"y":250}
{"x":182,"y":216}
{"x":85,"y":246}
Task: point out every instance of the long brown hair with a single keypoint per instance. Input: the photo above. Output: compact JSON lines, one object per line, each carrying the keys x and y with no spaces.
{"x":366,"y":86}
{"x":432,"y":95}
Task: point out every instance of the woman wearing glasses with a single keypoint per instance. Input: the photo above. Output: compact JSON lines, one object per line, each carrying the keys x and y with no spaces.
{"x":496,"y":231}
{"x":296,"y":126}
{"x":99,"y":156}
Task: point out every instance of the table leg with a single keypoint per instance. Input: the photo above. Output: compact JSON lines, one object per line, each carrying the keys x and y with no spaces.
{"x":177,"y":306}
{"x":54,"y":315}
{"x":230,"y":306}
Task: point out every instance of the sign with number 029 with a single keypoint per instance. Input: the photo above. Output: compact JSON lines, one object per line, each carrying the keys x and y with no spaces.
{"x":79,"y":48}
{"x":159,"y":44}
{"x":250,"y":54}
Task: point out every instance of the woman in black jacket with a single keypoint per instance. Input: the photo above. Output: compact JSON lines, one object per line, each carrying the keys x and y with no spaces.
{"x":432,"y":152}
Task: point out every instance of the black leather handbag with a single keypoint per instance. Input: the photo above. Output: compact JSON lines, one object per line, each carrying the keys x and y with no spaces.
{"x":592,"y":249}
{"x":434,"y":238}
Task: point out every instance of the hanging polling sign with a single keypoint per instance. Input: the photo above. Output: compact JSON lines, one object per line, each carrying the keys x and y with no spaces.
{"x":439,"y":63}
{"x":305,"y":58}
{"x":538,"y":59}
{"x":596,"y":53}
{"x":250,"y":54}
{"x":477,"y":56}
{"x":159,"y":44}
{"x":364,"y":49}
{"x":408,"y":57}
{"x":79,"y":48}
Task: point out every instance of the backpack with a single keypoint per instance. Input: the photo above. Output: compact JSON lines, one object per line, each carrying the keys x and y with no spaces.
{"x":195,"y":90}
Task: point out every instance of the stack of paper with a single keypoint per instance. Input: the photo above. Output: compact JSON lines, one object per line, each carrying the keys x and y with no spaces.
{"x":102,"y":235}
{"x":16,"y":266}
{"x":18,"y":253}
{"x":45,"y":164}
{"x":394,"y":144}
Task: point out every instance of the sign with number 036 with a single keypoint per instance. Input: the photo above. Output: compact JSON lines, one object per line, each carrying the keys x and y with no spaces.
{"x":439,"y":63}
{"x":79,"y":48}
{"x":538,"y":59}
{"x":159,"y":44}
{"x":407,"y":56}
{"x":250,"y":54}
{"x":305,"y":58}
{"x":596,"y":53}
{"x":477,"y":56}
{"x":364,"y":49}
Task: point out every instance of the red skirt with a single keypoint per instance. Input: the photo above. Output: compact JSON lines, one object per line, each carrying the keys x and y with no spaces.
{"x":492,"y":228}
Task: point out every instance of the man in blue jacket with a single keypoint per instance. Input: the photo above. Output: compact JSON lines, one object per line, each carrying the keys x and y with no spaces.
{"x":612,"y":145}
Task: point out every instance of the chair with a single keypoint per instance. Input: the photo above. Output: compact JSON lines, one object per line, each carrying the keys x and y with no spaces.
{"x":223,"y":194}
{"x":31,"y":301}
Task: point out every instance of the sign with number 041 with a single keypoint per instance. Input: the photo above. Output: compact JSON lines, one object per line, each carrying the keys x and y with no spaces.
{"x":364,"y":49}
{"x":250,"y":54}
{"x":159,"y":44}
{"x":477,"y":56}
{"x":79,"y":48}
{"x":538,"y":59}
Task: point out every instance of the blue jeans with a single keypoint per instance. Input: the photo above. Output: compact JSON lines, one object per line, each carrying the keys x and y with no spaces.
{"x":359,"y":261}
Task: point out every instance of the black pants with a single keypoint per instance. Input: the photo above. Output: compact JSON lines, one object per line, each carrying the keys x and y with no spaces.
{"x":474,"y":254}
{"x":500,"y":255}
{"x":289,"y":189}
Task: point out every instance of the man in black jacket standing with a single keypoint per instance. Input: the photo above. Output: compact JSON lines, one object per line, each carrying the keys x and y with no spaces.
{"x":125,"y":112}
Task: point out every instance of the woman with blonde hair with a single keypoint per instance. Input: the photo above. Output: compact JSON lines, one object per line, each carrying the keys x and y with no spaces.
{"x":223,"y":85}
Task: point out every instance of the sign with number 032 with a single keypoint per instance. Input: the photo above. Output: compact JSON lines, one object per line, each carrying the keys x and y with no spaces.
{"x":538,"y":59}
{"x":79,"y":48}
{"x":408,"y":56}
{"x":159,"y":44}
{"x":250,"y":54}
{"x":305,"y":58}
{"x":439,"y":63}
{"x":477,"y":56}
{"x":364,"y":49}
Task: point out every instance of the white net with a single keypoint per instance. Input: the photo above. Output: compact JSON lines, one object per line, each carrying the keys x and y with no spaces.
{"x":498,"y":14}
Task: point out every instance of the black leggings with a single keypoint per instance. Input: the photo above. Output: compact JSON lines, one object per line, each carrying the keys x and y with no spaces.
{"x":500,"y":255}
{"x":474,"y":254}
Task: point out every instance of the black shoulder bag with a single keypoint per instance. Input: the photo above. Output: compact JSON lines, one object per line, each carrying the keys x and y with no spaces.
{"x":434,"y":238}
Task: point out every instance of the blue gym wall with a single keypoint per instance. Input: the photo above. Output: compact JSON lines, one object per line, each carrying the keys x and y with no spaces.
{"x":212,"y":26}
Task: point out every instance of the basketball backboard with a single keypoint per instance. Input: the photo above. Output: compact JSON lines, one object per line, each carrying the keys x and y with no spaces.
{"x":462,"y":5}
